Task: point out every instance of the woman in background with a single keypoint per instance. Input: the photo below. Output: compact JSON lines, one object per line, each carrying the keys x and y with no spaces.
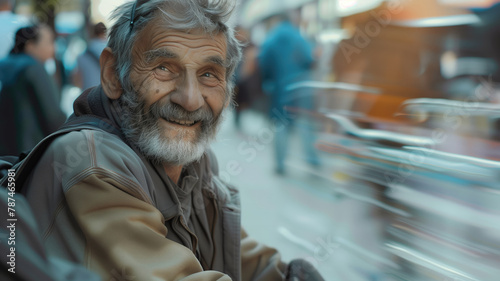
{"x":28,"y":97}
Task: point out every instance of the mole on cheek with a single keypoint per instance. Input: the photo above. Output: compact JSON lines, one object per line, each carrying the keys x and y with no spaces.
{"x":157,"y":91}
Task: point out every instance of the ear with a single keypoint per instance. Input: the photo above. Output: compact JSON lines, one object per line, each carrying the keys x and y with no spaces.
{"x":109,"y":78}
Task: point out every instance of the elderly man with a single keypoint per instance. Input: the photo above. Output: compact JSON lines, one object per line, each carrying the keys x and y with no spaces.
{"x":146,"y":203}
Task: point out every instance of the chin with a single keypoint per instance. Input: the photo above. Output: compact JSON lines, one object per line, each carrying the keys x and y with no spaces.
{"x":180,"y":136}
{"x":174,"y":151}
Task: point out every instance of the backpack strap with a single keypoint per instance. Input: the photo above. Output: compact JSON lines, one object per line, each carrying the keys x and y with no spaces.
{"x":92,"y":122}
{"x":86,"y":122}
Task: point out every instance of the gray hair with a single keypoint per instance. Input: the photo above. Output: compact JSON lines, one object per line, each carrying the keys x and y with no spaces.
{"x":208,"y":15}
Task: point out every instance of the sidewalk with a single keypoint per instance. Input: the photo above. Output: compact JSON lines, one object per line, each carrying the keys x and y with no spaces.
{"x":298,"y":213}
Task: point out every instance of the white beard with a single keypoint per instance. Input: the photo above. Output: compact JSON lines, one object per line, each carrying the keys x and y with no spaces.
{"x":176,"y":151}
{"x":144,"y":131}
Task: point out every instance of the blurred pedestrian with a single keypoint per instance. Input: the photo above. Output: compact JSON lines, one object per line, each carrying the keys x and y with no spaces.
{"x":88,"y":73}
{"x":248,"y":85}
{"x":9,"y":24}
{"x":286,"y":58}
{"x":28,"y":97}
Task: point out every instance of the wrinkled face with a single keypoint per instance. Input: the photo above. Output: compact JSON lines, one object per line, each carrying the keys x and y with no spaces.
{"x":179,"y":82}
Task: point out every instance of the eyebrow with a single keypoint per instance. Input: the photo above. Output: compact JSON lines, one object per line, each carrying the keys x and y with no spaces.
{"x":152,"y":55}
{"x":216,"y":60}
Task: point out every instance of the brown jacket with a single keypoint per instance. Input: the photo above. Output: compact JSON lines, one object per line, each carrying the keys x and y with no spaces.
{"x":101,"y":203}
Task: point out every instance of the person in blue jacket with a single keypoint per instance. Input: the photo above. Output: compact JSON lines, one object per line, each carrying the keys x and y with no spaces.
{"x":286,"y":58}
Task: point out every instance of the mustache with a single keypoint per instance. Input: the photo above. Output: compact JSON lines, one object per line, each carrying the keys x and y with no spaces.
{"x":171,"y":111}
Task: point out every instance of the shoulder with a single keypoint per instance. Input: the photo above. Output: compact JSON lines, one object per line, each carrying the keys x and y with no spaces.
{"x":32,"y":69}
{"x":79,"y":154}
{"x":15,"y":67}
{"x":95,"y":145}
{"x":33,"y":66}
{"x":19,"y":61}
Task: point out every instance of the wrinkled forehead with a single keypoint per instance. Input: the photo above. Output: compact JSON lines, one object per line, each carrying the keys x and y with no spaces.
{"x":157,"y":35}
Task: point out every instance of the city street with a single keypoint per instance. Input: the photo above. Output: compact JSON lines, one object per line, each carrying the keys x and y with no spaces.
{"x":298,"y":213}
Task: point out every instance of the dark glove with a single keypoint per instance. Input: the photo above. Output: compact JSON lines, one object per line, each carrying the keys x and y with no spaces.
{"x":301,"y":270}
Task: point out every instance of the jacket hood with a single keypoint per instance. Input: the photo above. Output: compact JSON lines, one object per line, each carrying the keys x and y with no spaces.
{"x":91,"y":102}
{"x":94,"y":102}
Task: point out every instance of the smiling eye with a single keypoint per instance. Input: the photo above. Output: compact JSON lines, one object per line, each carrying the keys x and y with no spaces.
{"x":163,"y":68}
{"x":210,"y":79}
{"x":164,"y":73}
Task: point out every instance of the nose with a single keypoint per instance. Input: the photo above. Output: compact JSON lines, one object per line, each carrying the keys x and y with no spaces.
{"x":188,"y":94}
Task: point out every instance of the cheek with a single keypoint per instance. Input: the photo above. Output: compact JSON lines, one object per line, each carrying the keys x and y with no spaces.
{"x":216,"y":101}
{"x":50,"y":50}
{"x":140,"y":80}
{"x":156,"y":91}
{"x":139,"y":72}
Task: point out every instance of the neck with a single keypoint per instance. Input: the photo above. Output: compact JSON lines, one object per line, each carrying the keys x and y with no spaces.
{"x":173,"y":172}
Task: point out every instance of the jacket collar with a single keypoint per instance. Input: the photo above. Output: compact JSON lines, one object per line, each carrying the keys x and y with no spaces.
{"x":94,"y":102}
